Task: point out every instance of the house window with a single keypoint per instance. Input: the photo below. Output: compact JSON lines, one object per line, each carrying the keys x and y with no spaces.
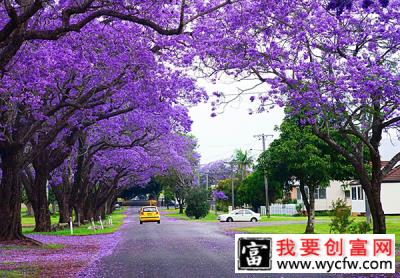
{"x":307,"y":191}
{"x":353,"y":193}
{"x":321,"y":193}
{"x":299,"y":196}
{"x":360,"y":193}
{"x":347,"y":194}
{"x":316,"y":193}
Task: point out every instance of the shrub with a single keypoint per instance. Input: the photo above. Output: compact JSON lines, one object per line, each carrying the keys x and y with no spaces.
{"x":289,"y":201}
{"x":197,"y":203}
{"x":362,"y":227}
{"x":322,"y":213}
{"x":299,"y":209}
{"x":340,"y":214}
{"x":223,"y":206}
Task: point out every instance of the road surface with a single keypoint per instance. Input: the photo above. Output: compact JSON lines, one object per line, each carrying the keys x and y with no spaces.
{"x":174,"y":248}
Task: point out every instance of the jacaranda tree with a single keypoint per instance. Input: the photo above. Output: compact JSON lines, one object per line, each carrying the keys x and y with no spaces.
{"x":335,"y":71}
{"x":24,"y":21}
{"x":83,"y":79}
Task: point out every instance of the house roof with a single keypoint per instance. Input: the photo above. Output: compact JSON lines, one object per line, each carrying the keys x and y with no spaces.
{"x":392,"y":176}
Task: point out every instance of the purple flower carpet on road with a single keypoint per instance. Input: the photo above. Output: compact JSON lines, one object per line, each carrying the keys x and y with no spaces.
{"x":60,"y":256}
{"x":70,"y":256}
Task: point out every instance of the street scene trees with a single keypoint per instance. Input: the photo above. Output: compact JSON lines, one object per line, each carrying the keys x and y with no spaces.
{"x":336,"y":72}
{"x":47,"y":109}
{"x":299,"y":156}
{"x":98,"y":99}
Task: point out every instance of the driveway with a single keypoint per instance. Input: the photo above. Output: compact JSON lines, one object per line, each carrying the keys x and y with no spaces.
{"x":174,"y":248}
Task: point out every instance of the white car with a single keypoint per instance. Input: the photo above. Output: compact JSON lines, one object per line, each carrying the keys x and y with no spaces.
{"x":240,"y":215}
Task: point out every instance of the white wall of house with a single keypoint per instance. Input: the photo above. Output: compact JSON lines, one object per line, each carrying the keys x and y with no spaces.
{"x":390,"y":193}
{"x":333,"y":192}
{"x":358,"y":206}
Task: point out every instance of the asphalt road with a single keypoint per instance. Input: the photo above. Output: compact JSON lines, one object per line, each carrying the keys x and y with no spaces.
{"x":174,"y":248}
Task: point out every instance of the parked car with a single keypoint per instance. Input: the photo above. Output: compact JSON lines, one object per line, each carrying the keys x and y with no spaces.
{"x":240,"y":215}
{"x":149,"y":214}
{"x":172,"y":203}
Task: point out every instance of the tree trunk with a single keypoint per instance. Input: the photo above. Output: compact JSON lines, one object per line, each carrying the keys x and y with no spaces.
{"x":61,"y":193}
{"x":180,"y":203}
{"x":309,"y":203}
{"x":53,"y":208}
{"x":78,"y":214}
{"x":311,"y":213}
{"x":110,"y":205}
{"x":89,"y":209}
{"x":29,"y":209}
{"x":39,"y":202}
{"x":10,"y":197}
{"x":103,"y":212}
{"x":65,"y":211}
{"x":375,"y":204}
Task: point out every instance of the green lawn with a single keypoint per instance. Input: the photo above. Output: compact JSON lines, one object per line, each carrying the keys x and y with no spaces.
{"x":118,"y":217}
{"x":22,"y":247}
{"x":211,"y":217}
{"x":29,"y":221}
{"x":278,"y":218}
{"x":174,"y":213}
{"x":392,"y":223}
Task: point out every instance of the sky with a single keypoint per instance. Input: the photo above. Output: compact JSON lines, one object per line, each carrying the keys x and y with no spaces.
{"x":218,"y":137}
{"x":234,"y":129}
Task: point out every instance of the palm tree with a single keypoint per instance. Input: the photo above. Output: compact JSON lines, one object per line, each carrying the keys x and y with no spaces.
{"x":244,"y":161}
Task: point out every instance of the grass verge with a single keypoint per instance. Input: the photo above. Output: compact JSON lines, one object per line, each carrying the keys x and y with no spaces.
{"x":211,"y":217}
{"x":118,"y":217}
{"x":22,"y":247}
{"x":174,"y":213}
{"x":393,"y":227}
{"x":29,"y":221}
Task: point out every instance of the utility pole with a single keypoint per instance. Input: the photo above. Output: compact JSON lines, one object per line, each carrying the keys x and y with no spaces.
{"x":263,"y":136}
{"x":207,"y":181}
{"x":198,"y":178}
{"x":233,"y":187}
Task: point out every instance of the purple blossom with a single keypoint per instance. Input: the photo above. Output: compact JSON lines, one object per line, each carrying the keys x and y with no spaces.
{"x":219,"y":195}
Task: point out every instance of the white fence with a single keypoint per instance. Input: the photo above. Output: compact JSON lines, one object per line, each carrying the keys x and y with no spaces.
{"x":286,"y":209}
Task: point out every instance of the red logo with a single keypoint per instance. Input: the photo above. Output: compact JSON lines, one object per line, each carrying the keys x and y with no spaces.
{"x":358,"y":247}
{"x":383,"y":246}
{"x":334,"y":247}
{"x":286,"y":247}
{"x":310,"y":246}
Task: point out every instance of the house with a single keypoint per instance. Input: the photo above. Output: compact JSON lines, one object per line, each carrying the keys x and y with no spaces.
{"x":325,"y":196}
{"x":354,"y":195}
{"x":390,"y":193}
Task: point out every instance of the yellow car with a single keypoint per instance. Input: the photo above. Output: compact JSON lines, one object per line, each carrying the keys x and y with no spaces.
{"x":149,"y":214}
